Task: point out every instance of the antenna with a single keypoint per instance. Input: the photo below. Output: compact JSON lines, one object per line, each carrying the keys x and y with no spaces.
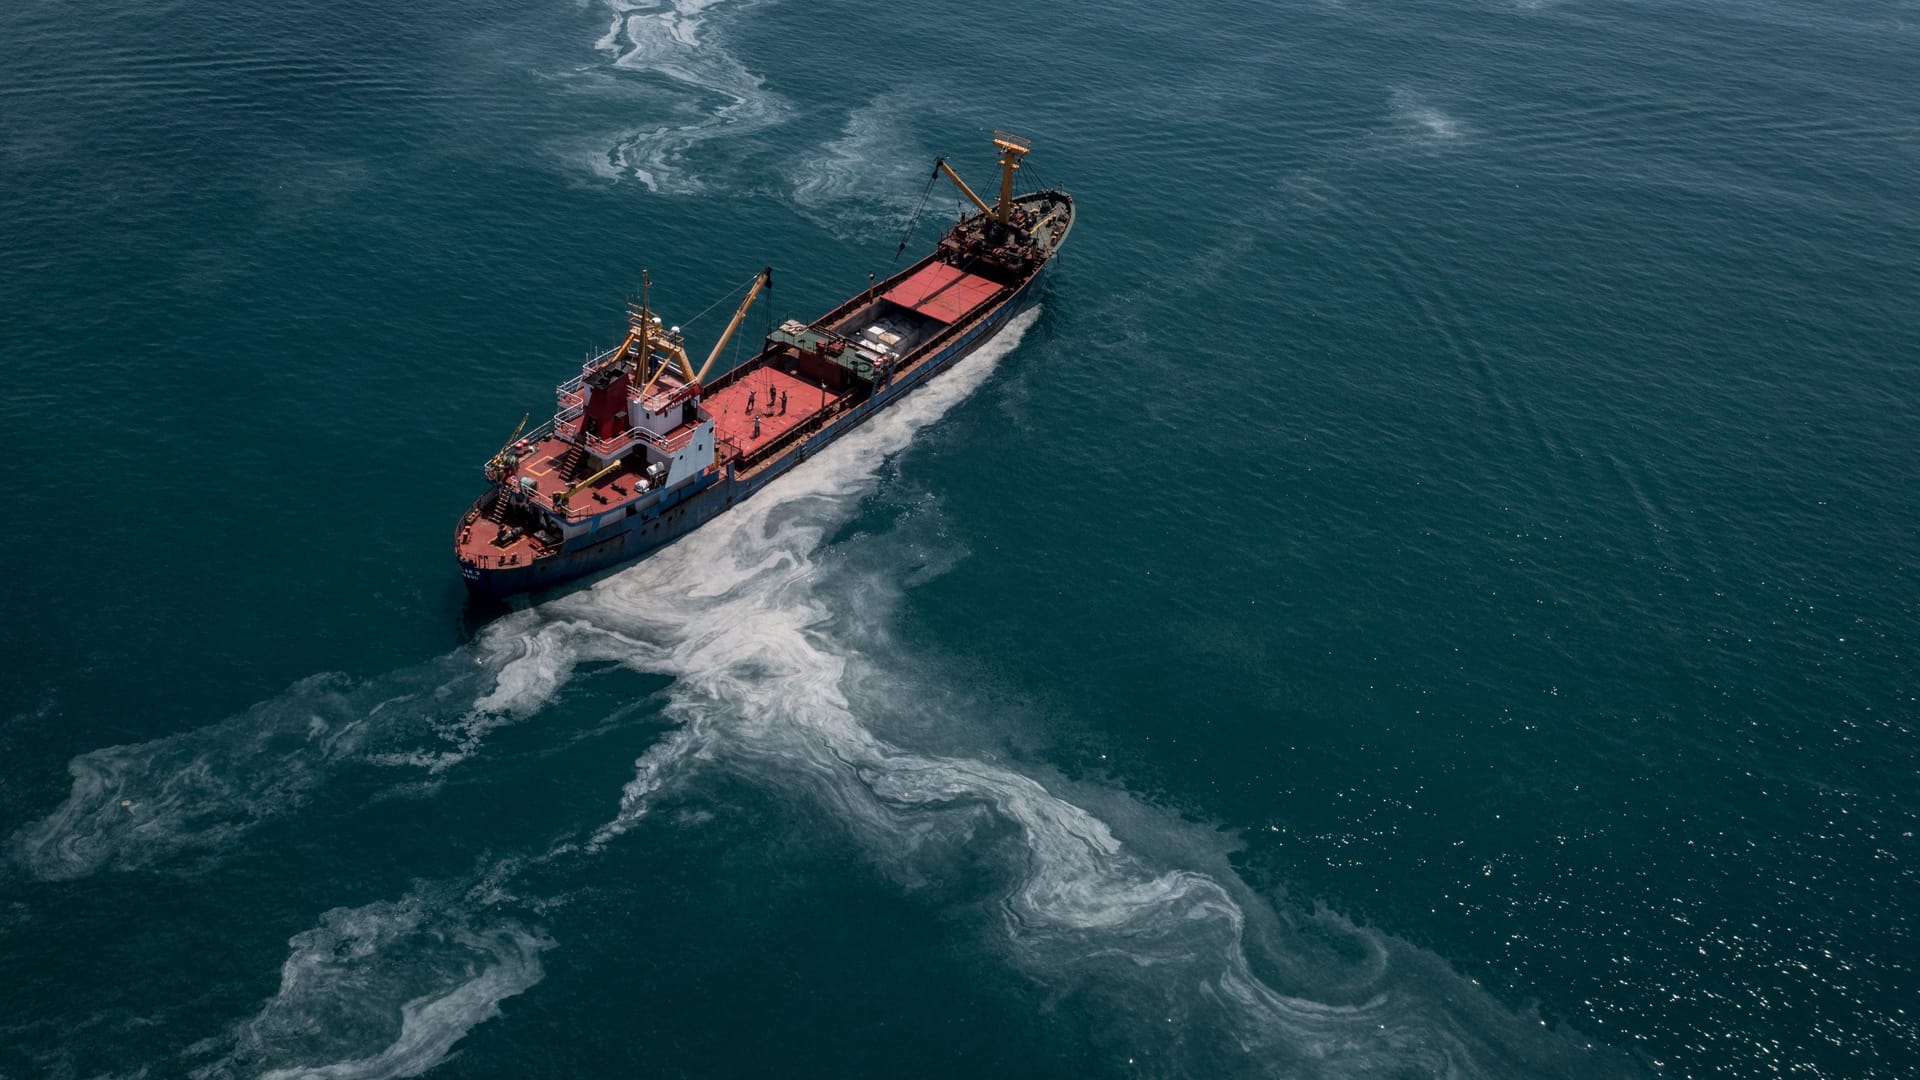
{"x":643,"y":329}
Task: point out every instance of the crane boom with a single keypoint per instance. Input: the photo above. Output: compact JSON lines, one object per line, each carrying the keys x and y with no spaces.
{"x":941,"y":164}
{"x":561,"y":500}
{"x":763,"y":281}
{"x":511,"y":439}
{"x":1012,"y":149}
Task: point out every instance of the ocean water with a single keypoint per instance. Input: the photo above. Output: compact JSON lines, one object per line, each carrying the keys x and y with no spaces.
{"x":1430,"y":590}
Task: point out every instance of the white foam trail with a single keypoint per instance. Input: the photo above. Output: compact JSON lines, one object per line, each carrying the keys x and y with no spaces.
{"x":421,"y":972}
{"x":383,"y":990}
{"x":422,"y":963}
{"x":738,"y":615}
{"x":743,"y":624}
{"x":664,"y":38}
{"x":139,"y":806}
{"x":1425,"y":122}
{"x":862,"y":182}
{"x":132,"y":806}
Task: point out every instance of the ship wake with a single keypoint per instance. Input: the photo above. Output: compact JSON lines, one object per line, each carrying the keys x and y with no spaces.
{"x":195,"y":794}
{"x":387,"y":989}
{"x":383,"y":990}
{"x":784,"y":676}
{"x":775,"y":680}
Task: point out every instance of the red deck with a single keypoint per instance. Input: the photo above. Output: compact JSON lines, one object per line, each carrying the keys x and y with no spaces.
{"x":543,"y":466}
{"x":942,"y":292}
{"x":733,"y":433}
{"x":733,"y":420}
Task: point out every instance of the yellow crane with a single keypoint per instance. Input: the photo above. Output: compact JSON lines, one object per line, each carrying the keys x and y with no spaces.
{"x":941,"y":164}
{"x":1012,"y":149}
{"x":677,"y":351}
{"x":763,"y":281}
{"x":497,"y":465}
{"x":560,"y":501}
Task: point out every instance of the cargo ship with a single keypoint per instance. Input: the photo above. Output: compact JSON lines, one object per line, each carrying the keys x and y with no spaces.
{"x":644,"y":448}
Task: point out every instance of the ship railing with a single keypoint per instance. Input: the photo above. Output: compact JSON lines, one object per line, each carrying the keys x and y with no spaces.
{"x":533,"y":437}
{"x":584,"y":508}
{"x":670,"y":443}
{"x":568,"y":428}
{"x":573,"y":391}
{"x":568,"y":423}
{"x":673,"y":442}
{"x":663,"y":395}
{"x":484,"y":560}
{"x":571,"y":512}
{"x":592,"y":365}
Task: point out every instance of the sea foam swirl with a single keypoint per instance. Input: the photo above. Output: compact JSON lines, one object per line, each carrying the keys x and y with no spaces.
{"x":411,"y":976}
{"x":665,"y":39}
{"x":151,"y":805}
{"x":749,"y":618}
{"x":745,"y":616}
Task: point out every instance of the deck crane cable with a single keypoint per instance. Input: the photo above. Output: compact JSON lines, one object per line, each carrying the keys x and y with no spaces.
{"x":914,"y":221}
{"x":766,"y":331}
{"x":731,"y":293}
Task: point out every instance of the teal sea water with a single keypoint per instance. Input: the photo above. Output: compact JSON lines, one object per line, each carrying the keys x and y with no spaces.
{"x":1430,"y":590}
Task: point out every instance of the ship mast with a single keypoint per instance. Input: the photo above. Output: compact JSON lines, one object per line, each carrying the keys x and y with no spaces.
{"x":645,"y":334}
{"x":646,"y":353}
{"x":639,"y":331}
{"x":644,"y":321}
{"x":1012,"y":149}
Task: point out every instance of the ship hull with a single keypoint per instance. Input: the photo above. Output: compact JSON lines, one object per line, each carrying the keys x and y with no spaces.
{"x":632,"y":539}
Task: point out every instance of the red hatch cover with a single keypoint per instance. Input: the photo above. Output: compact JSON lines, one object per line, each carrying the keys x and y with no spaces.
{"x":942,"y":292}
